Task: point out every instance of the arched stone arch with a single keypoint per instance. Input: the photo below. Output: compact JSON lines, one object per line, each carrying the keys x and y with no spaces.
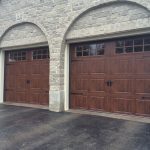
{"x":25,"y":33}
{"x":132,"y":4}
{"x":108,"y":19}
{"x":106,"y":4}
{"x":20,"y":35}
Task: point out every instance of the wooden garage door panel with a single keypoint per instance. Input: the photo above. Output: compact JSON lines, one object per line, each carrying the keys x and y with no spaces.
{"x":10,"y":96}
{"x":20,"y":97}
{"x":123,"y":105}
{"x":21,"y":83}
{"x":44,"y":68}
{"x":96,"y":102}
{"x":86,"y":66}
{"x":80,"y":84}
{"x":79,"y":67}
{"x":123,"y":86}
{"x":34,"y":97}
{"x":39,"y":67}
{"x":142,"y":86}
{"x":116,"y":81}
{"x":87,"y":82}
{"x":10,"y":70}
{"x":27,"y":76}
{"x":97,"y":66}
{"x":121,"y":65}
{"x":96,"y":85}
{"x":44,"y":83}
{"x":147,"y":66}
{"x":21,"y":68}
{"x":34,"y":67}
{"x":15,"y":83}
{"x":74,"y":68}
{"x":11,"y":84}
{"x":143,"y":107}
{"x":34,"y":84}
{"x":142,"y":83}
{"x":40,"y":97}
{"x":79,"y":101}
{"x":44,"y":96}
{"x":122,"y":96}
{"x":142,"y":66}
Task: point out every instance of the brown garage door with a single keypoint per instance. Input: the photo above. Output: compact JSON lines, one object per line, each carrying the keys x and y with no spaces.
{"x":112,"y":76}
{"x":27,"y":76}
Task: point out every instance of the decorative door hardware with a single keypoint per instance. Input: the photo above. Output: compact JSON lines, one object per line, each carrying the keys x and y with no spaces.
{"x":28,"y":81}
{"x":109,"y":83}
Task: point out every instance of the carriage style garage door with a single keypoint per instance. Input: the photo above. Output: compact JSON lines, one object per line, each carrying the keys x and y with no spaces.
{"x":27,"y":76}
{"x":112,"y":76}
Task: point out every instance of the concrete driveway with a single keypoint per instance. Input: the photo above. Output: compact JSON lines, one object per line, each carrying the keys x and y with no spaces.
{"x":27,"y":129}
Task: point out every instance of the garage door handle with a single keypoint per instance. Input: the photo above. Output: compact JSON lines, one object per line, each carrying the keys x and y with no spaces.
{"x":109,"y":83}
{"x":145,"y":97}
{"x":28,"y":81}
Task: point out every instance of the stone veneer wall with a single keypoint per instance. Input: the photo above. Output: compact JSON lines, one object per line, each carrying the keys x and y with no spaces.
{"x":68,"y":19}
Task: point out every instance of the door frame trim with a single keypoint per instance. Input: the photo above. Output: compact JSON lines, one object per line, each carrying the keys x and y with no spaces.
{"x":2,"y":66}
{"x":67,"y":77}
{"x":43,"y":44}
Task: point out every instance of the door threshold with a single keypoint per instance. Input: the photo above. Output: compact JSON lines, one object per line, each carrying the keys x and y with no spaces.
{"x":142,"y":119}
{"x":27,"y":105}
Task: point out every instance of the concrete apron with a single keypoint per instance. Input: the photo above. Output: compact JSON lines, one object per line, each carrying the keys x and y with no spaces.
{"x":27,"y":105}
{"x":135,"y":118}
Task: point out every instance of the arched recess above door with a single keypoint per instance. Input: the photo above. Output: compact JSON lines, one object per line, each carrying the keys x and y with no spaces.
{"x":111,"y":18}
{"x":22,"y":34}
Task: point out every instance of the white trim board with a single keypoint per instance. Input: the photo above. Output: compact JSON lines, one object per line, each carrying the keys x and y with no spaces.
{"x":24,"y":46}
{"x":122,"y":34}
{"x":66,"y":78}
{"x":2,"y":60}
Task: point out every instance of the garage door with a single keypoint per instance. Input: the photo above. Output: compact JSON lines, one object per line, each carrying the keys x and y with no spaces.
{"x":27,"y":76}
{"x":112,"y":76}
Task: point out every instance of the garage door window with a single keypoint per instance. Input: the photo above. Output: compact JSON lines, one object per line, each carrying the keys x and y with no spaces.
{"x":40,"y":54}
{"x":138,"y":45}
{"x":133,"y":45}
{"x":147,"y":44}
{"x":90,"y":50}
{"x":17,"y":56}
